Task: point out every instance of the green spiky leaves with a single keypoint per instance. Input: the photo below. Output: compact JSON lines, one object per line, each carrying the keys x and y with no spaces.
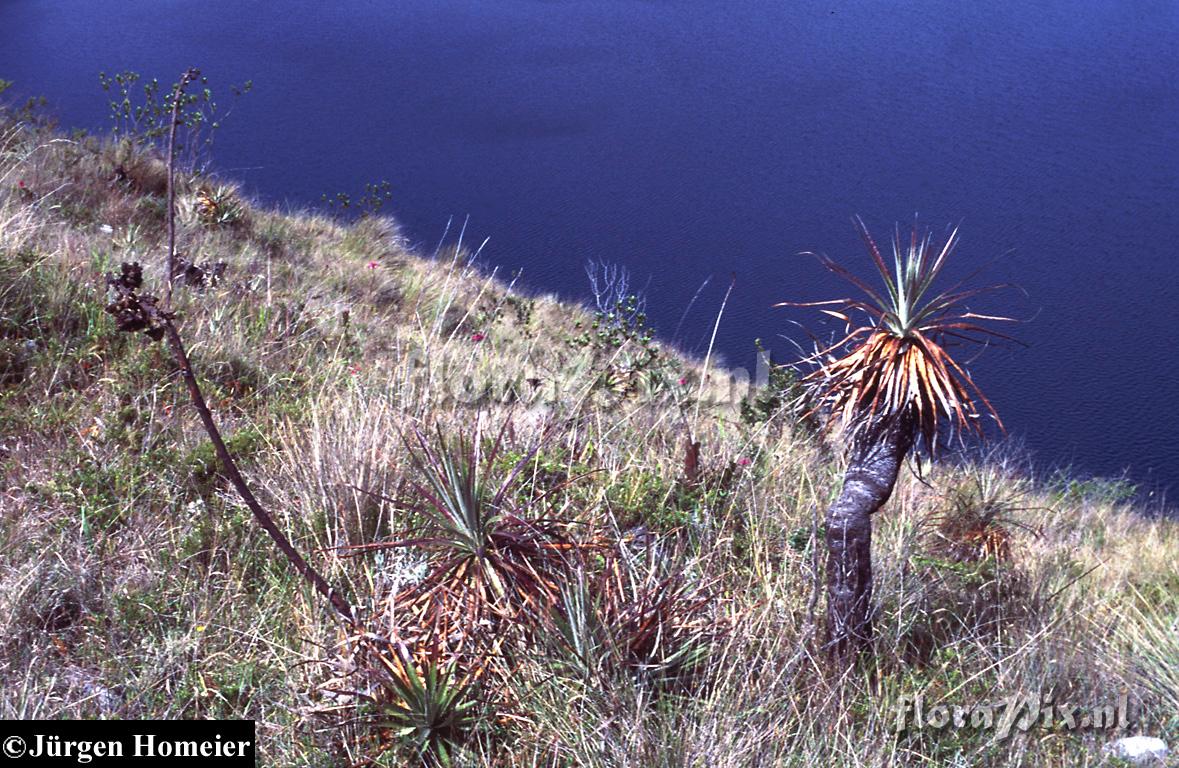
{"x":897,"y":364}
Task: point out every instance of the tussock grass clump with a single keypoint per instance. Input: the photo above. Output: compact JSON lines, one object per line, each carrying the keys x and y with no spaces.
{"x":620,"y":571}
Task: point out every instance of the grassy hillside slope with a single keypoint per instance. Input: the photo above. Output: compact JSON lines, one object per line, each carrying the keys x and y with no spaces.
{"x":134,"y":584}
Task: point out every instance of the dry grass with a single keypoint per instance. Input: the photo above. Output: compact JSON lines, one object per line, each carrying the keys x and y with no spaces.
{"x":132,"y":584}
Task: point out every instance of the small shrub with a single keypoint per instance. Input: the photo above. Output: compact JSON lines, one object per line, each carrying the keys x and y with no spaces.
{"x":368,"y":204}
{"x":962,"y":600}
{"x":145,"y":119}
{"x":621,"y":347}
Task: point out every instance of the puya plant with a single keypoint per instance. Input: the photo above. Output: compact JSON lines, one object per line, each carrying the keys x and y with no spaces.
{"x":135,"y":310}
{"x":493,"y":561}
{"x":640,"y":616}
{"x":428,"y":704}
{"x":890,"y":385}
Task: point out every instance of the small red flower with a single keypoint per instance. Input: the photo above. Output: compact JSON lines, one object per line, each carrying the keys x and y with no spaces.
{"x":477,"y":336}
{"x":683,"y":381}
{"x":372,"y":265}
{"x":744,"y":461}
{"x":354,"y":369}
{"x":21,"y":184}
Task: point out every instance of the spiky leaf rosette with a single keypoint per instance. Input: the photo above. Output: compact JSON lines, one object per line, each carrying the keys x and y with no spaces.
{"x":896,"y":365}
{"x":494,"y":561}
{"x":642,"y":614}
{"x":425,"y":700}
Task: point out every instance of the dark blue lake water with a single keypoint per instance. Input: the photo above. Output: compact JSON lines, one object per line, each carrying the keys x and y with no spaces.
{"x":692,"y":140}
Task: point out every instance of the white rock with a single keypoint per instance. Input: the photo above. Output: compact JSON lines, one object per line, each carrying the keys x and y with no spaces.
{"x":1139,"y":750}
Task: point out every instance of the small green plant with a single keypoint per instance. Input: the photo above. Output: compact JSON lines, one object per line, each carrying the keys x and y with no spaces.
{"x":524,"y":308}
{"x":429,"y":706}
{"x":29,"y":110}
{"x":611,"y":329}
{"x":1112,"y":491}
{"x":961,"y":600}
{"x":203,"y":465}
{"x":619,"y":337}
{"x":369,"y":204}
{"x":802,"y":538}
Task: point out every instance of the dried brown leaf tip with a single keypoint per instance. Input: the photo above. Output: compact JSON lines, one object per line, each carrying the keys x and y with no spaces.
{"x":131,"y":311}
